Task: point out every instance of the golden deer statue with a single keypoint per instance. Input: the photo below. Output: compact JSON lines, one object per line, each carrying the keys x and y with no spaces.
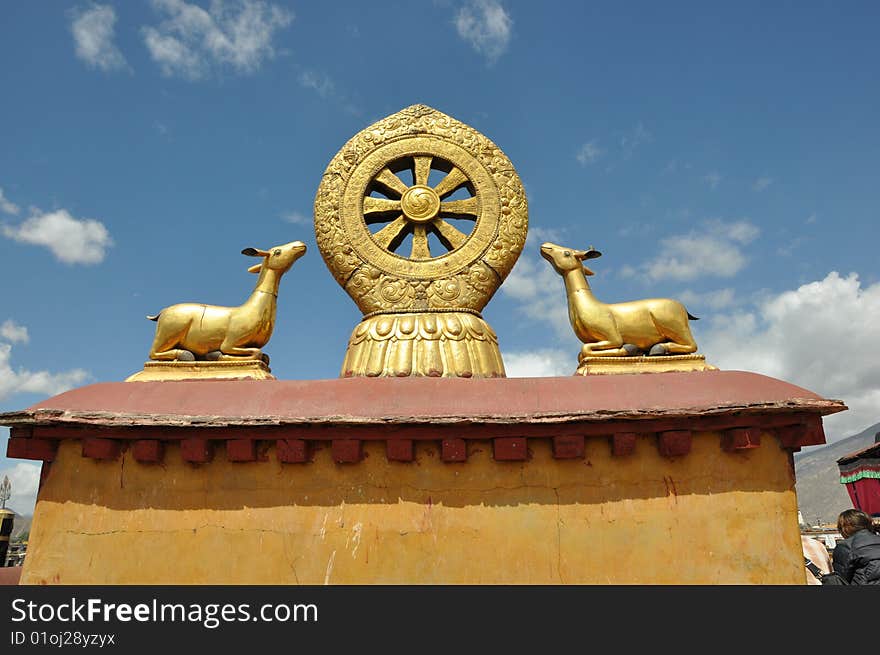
{"x":190,"y":331}
{"x":658,"y":326}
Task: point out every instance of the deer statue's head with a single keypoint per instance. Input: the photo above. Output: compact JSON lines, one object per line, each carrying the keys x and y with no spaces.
{"x":567,"y":259}
{"x":279,"y":258}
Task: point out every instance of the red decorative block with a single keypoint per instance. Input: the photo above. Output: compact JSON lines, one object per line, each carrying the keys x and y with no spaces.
{"x":623,"y":443}
{"x":790,"y":436}
{"x":98,"y":448}
{"x":803,"y":434}
{"x":197,"y":451}
{"x":568,"y":447}
{"x":453,"y":450}
{"x":292,"y":451}
{"x":241,"y":450}
{"x":740,"y":439}
{"x":148,"y":451}
{"x":25,"y":448}
{"x":346,"y":451}
{"x":815,"y":433}
{"x":673,"y":443}
{"x":510,"y":449}
{"x":399,"y":450}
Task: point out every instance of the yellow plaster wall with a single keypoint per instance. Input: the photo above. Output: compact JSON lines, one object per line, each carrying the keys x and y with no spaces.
{"x":707,"y":518}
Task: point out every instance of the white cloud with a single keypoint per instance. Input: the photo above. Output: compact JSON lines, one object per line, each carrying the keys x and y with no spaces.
{"x":740,"y":231}
{"x":71,"y":240}
{"x":589,"y":153}
{"x":626,"y":143}
{"x":42,"y":382}
{"x":319,"y":82}
{"x":325,"y":87}
{"x":821,"y":336}
{"x":539,"y":363}
{"x":633,"y":139}
{"x":713,"y":179}
{"x":13,"y":332}
{"x":192,"y":41}
{"x":6,"y":205}
{"x":93,"y":33}
{"x":529,"y":279}
{"x":714,"y":250}
{"x":25,"y":480}
{"x":296,"y":218}
{"x":788,"y":248}
{"x":486,"y":25}
{"x":762,"y":183}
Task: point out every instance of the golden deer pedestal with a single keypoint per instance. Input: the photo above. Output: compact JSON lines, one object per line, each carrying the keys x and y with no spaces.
{"x":223,"y":370}
{"x":656,"y":364}
{"x":420,"y":480}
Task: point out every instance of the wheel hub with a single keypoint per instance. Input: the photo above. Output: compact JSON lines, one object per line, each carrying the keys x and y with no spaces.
{"x":420,"y":203}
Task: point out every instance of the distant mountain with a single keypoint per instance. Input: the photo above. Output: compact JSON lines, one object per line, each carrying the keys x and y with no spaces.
{"x":20,"y":525}
{"x":821,"y":497}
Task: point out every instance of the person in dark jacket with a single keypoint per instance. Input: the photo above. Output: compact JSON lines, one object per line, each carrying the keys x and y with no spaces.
{"x":856,"y":559}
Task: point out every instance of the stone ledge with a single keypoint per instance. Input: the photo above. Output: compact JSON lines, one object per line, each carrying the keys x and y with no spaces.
{"x":433,"y":401}
{"x":295,"y":415}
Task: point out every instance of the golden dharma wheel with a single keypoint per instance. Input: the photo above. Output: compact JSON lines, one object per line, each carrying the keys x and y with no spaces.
{"x":420,"y":214}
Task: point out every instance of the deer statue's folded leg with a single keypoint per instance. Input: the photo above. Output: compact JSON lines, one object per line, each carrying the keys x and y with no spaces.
{"x":680,"y":340}
{"x":672,"y":348}
{"x":233,"y":352}
{"x":174,"y":354}
{"x":165,"y":348}
{"x":603,"y":349}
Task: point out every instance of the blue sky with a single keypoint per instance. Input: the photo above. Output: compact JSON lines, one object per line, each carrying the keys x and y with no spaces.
{"x":726,"y":155}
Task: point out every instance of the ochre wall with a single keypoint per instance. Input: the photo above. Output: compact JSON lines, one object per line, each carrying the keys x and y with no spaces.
{"x":705,"y":518}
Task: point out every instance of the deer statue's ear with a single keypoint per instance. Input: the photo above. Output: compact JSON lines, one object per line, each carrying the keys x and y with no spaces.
{"x":255,"y":268}
{"x":592,"y":253}
{"x":253,"y":252}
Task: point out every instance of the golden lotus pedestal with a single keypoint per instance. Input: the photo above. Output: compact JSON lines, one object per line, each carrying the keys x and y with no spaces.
{"x":427,"y":344}
{"x":250,"y":369}
{"x":656,"y":364}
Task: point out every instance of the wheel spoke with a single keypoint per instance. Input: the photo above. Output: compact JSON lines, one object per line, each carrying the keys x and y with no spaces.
{"x":450,"y":183}
{"x":449,"y":236}
{"x":379,"y":206}
{"x":420,"y":243}
{"x":390,"y":181}
{"x":421,"y":168}
{"x":459,"y":208}
{"x":390,"y":236}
